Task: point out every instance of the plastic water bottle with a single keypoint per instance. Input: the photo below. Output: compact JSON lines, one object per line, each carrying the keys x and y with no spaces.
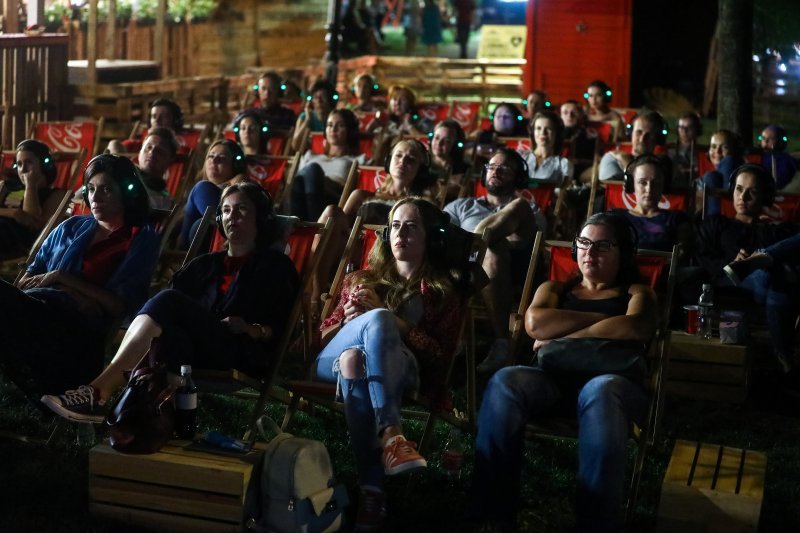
{"x":705,"y":304}
{"x":453,"y":455}
{"x":186,"y":405}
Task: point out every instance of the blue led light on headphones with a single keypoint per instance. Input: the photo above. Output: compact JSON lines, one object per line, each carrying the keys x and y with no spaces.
{"x":283,"y":86}
{"x":236,"y":129}
{"x":308,"y":98}
{"x":547,"y":103}
{"x":519,"y":117}
{"x":335,"y":96}
{"x":430,"y":135}
{"x":586,"y":95}
{"x":608,"y":93}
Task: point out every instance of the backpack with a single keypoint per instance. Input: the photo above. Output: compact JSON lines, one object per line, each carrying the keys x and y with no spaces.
{"x":294,"y":489}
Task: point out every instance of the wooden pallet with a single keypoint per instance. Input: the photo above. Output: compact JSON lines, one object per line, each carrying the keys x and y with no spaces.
{"x":707,"y":369}
{"x":175,"y":489}
{"x":711,"y":489}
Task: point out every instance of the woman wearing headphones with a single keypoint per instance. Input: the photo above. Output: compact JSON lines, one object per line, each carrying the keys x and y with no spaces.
{"x":321,"y":177}
{"x":647,"y":177}
{"x":394,"y":328}
{"x":90,"y":272}
{"x":364,"y":87}
{"x":323,"y":99}
{"x":507,"y":121}
{"x":604,"y":300}
{"x":447,"y":155}
{"x":21,"y":220}
{"x":225,"y":163}
{"x":545,"y":163}
{"x":598,"y":98}
{"x":252,"y":133}
{"x":223,"y":310}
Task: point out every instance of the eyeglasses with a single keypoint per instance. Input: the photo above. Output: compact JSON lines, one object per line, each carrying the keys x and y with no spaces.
{"x":601,"y":246}
{"x":501,"y":170}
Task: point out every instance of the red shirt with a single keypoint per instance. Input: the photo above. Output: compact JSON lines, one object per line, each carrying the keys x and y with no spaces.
{"x":102,"y":258}
{"x":230,"y":267}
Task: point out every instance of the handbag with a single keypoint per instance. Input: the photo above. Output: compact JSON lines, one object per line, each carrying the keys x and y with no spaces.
{"x":589,"y":357}
{"x":142,"y":419}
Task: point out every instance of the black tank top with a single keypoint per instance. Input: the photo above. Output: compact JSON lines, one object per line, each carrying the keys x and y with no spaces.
{"x":614,"y":306}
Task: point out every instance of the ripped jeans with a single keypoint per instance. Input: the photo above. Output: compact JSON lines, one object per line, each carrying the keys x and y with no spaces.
{"x":373,"y":402}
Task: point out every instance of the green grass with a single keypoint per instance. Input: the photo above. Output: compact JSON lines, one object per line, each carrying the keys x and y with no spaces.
{"x":45,"y":488}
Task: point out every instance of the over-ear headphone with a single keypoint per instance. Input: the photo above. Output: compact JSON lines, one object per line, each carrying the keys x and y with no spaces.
{"x":604,"y":88}
{"x":519,"y":165}
{"x":273,"y":78}
{"x":662,"y":163}
{"x":42,"y":152}
{"x":781,"y":139}
{"x":766,"y":185}
{"x":330,"y":91}
{"x":424,"y":172}
{"x":373,"y":83}
{"x":457,"y":152}
{"x":255,"y":115}
{"x":265,"y":211}
{"x":627,"y":247}
{"x":121,"y":170}
{"x":435,"y":234}
{"x":238,"y":163}
{"x":175,"y":109}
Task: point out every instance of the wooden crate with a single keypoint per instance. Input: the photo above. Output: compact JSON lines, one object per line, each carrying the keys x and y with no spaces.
{"x":707,"y":369}
{"x":711,"y":489}
{"x":176,"y":489}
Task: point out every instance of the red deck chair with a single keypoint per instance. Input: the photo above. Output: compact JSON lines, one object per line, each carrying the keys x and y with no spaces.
{"x":317,"y":144}
{"x":364,"y":120}
{"x":366,"y":145}
{"x":563,"y":267}
{"x":617,"y":198}
{"x":603,"y":130}
{"x":362,"y":177}
{"x":434,"y":111}
{"x":785,"y":208}
{"x":67,"y":166}
{"x":543,"y":194}
{"x":188,"y":139}
{"x":272,"y":174}
{"x":485,"y":123}
{"x":704,"y":164}
{"x":517,"y":143}
{"x":70,"y":137}
{"x":466,"y":114}
{"x":276,"y":145}
{"x":755,"y":158}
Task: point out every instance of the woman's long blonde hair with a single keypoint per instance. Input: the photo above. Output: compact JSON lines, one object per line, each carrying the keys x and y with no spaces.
{"x":382,"y":273}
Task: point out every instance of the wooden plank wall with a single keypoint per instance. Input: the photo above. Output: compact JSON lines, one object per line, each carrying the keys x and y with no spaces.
{"x":245,"y":33}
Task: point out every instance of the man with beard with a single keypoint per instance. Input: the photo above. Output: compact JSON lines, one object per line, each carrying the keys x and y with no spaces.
{"x":512,"y":224}
{"x":157,"y":154}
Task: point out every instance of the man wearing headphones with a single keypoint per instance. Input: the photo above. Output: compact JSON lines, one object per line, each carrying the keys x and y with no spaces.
{"x":649,"y":130}
{"x":157,"y":154}
{"x":774,"y":141}
{"x":268,"y":89}
{"x":512,"y":224}
{"x":724,"y":241}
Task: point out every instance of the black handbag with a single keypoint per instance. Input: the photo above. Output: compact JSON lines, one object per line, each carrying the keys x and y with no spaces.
{"x":142,"y":418}
{"x":589,"y":357}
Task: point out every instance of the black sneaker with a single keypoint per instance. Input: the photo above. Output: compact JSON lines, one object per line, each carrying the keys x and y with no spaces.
{"x":78,"y":405}
{"x":738,"y":270}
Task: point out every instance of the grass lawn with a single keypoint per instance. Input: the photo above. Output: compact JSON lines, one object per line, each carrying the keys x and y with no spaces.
{"x":45,"y":488}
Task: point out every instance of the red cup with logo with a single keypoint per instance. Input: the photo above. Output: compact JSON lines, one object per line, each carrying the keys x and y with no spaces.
{"x":692,"y":318}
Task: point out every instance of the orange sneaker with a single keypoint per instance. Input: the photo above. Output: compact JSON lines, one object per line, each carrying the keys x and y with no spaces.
{"x":400,"y":455}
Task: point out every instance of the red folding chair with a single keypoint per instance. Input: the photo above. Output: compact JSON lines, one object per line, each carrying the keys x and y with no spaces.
{"x":602,"y":130}
{"x":617,"y":198}
{"x":70,"y":137}
{"x":273,"y":174}
{"x":517,"y":143}
{"x":317,"y":143}
{"x":364,"y":120}
{"x":434,"y":111}
{"x":466,"y":114}
{"x":366,"y":178}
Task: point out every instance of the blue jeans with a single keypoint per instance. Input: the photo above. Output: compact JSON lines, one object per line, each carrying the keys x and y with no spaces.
{"x":606,"y":405}
{"x":778,"y":294}
{"x":371,"y":403}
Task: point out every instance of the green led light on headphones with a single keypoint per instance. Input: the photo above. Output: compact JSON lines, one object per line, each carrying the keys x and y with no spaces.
{"x":519,"y":117}
{"x":760,"y":138}
{"x":608,"y":93}
{"x":491,"y":117}
{"x":283,"y":86}
{"x":586,"y":95}
{"x":335,"y":96}
{"x":236,"y":129}
{"x":47,"y":159}
{"x":265,"y":129}
{"x":430,"y":135}
{"x":785,"y":139}
{"x":460,"y":144}
{"x":525,"y":102}
{"x":130,"y":186}
{"x":415,"y":116}
{"x":547,"y":103}
{"x":308,"y":98}
{"x":375,"y":86}
{"x":664,"y":131}
{"x":238,"y":158}
{"x":255,"y":87}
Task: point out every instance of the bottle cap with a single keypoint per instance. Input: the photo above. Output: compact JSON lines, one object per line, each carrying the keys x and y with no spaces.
{"x":186,"y":369}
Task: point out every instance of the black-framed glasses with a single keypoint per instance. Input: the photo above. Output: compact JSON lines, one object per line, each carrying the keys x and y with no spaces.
{"x":602,"y":246}
{"x":498,"y":169}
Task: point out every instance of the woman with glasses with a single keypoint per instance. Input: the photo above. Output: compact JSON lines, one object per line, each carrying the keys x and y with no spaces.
{"x":224,"y":164}
{"x":603,"y":300}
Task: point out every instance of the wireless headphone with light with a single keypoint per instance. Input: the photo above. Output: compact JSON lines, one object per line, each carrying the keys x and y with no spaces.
{"x":42,"y":153}
{"x":515,"y":161}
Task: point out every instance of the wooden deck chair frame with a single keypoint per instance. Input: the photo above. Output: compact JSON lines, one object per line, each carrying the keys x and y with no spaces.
{"x":643,"y":437}
{"x":309,"y":391}
{"x":240,"y":380}
{"x":289,"y":173}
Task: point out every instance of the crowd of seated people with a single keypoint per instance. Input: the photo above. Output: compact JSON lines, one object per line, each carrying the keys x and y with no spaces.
{"x":83,"y":280}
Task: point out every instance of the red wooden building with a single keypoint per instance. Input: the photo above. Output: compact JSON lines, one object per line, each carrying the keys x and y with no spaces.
{"x":572,"y":42}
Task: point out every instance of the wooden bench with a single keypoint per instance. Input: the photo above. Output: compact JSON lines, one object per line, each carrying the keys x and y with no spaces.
{"x":711,"y":489}
{"x":707,"y":369}
{"x":175,"y":489}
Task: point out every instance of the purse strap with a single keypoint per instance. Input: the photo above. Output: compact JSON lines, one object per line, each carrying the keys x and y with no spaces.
{"x":265,"y":420}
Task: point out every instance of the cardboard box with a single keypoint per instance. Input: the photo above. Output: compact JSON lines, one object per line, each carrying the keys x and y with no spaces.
{"x":175,"y":489}
{"x":711,"y":489}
